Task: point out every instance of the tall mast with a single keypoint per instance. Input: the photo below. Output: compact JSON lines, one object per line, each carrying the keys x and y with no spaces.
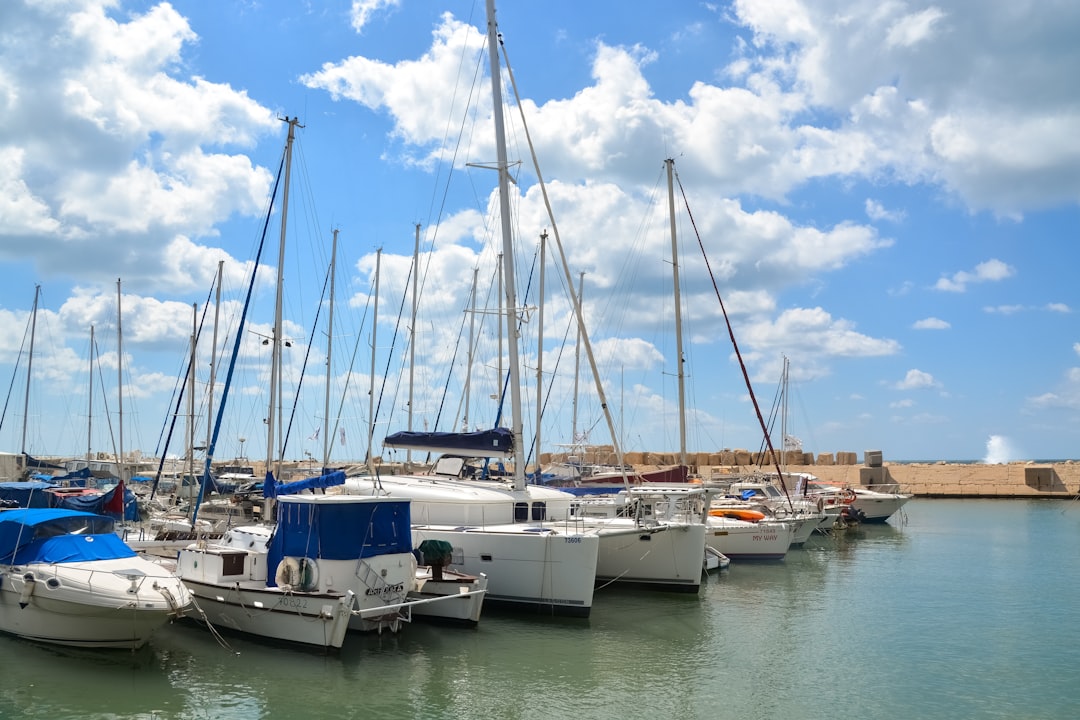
{"x":577,"y":362}
{"x":508,"y":247}
{"x":191,"y":392}
{"x":678,"y":313}
{"x":412,"y":337}
{"x":468,"y":370}
{"x":120,"y":383}
{"x":371,"y":377}
{"x":213,"y":362}
{"x":540,"y":351}
{"x":90,"y":403}
{"x":29,"y":366}
{"x":275,"y":359}
{"x":329,"y":350}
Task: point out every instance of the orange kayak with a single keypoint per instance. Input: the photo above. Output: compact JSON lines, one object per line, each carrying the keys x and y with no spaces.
{"x":738,"y":514}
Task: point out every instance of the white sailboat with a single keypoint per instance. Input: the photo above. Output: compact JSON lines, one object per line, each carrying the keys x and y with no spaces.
{"x":518,"y":535}
{"x":325,"y":564}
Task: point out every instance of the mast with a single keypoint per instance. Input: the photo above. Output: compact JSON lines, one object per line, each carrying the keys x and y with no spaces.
{"x":191,"y":392}
{"x":412,"y":337}
{"x":120,"y":384}
{"x":329,"y":350}
{"x":670,"y":163}
{"x":29,"y":366}
{"x":90,"y":403}
{"x":275,"y":354}
{"x":213,"y":361}
{"x":577,"y":363}
{"x":508,"y":248}
{"x":371,"y":375}
{"x":468,"y":370}
{"x":540,"y":352}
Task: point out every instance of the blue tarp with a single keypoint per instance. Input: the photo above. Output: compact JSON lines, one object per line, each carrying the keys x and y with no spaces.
{"x":98,"y":503}
{"x":497,"y":442}
{"x":27,"y":494}
{"x":337,"y":477}
{"x":55,"y":535}
{"x":339,"y":527}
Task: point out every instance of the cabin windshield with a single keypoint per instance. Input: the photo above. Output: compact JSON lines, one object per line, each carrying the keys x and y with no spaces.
{"x":75,"y":525}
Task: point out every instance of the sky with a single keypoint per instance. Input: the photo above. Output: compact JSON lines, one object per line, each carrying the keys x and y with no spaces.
{"x":885,"y":194}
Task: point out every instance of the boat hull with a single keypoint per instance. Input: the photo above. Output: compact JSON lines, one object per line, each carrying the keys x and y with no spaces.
{"x":666,"y":556}
{"x":530,"y":568}
{"x":316,"y":619}
{"x":740,"y":540}
{"x":103,"y":604}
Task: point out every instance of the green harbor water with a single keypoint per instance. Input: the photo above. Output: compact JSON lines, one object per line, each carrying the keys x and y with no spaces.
{"x":957,"y":609}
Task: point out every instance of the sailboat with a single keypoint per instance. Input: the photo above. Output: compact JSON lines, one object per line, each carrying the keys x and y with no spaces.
{"x":518,"y":535}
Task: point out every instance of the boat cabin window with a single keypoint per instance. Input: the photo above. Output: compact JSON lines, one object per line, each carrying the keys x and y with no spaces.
{"x":450,"y":466}
{"x":521,"y":512}
{"x":539,"y":511}
{"x":75,"y":526}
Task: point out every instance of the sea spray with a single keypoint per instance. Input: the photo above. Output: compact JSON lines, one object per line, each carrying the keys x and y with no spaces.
{"x":999,"y":450}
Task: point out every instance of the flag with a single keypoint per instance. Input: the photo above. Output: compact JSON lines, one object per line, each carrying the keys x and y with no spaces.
{"x":314,"y":435}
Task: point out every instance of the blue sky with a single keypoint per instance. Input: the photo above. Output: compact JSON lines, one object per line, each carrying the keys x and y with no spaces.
{"x":887,"y":195}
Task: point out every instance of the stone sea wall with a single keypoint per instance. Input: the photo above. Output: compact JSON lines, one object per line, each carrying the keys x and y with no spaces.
{"x":937,"y":479}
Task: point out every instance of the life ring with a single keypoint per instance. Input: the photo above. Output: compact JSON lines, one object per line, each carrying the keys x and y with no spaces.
{"x":849,"y":496}
{"x":820,"y":505}
{"x":297,"y":573}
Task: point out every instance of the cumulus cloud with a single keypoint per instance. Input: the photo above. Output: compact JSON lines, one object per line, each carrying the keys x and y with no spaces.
{"x":931,"y":323}
{"x":992,"y":270}
{"x":916,"y":380}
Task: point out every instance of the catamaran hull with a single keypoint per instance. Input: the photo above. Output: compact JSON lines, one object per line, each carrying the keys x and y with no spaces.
{"x":528,"y":568}
{"x":466,"y":593}
{"x":665,"y":557}
{"x":80,"y":606}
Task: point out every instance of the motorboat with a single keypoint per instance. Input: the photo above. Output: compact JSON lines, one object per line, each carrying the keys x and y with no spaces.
{"x":67,"y":578}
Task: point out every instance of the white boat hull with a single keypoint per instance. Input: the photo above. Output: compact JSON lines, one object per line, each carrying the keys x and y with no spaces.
{"x":457,"y":598}
{"x":740,"y":540}
{"x":666,"y":556}
{"x":100,"y":604}
{"x":534,"y":568}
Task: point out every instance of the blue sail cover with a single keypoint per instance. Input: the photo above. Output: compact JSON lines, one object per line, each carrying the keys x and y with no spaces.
{"x":496,"y":442}
{"x":339,"y":527}
{"x":272,"y":488}
{"x":52,"y":535}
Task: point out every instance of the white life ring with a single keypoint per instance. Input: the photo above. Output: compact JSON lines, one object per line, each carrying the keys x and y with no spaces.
{"x":297,"y":573}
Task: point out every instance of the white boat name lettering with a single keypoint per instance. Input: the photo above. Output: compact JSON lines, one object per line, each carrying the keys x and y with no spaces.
{"x":388,"y":590}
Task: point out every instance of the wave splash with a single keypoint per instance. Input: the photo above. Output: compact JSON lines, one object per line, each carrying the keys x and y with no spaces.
{"x":999,"y":450}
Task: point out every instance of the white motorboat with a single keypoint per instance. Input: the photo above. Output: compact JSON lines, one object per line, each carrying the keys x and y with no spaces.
{"x":330,"y":563}
{"x":876,"y":506}
{"x":67,"y":578}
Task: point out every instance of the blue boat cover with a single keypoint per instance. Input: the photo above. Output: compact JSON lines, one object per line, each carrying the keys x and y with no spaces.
{"x":272,"y":488}
{"x":54,"y":535}
{"x":496,"y":442}
{"x":338,"y":530}
{"x":26,"y":494}
{"x":100,"y":503}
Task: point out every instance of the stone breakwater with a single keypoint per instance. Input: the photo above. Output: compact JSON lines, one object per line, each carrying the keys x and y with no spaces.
{"x":936,"y":479}
{"x":957,"y":480}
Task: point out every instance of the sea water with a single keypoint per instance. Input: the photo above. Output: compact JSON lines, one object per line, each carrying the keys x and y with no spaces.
{"x":955,"y":609}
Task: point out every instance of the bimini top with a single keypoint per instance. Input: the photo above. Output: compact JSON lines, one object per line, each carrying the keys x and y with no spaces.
{"x":56,"y":535}
{"x":496,"y":442}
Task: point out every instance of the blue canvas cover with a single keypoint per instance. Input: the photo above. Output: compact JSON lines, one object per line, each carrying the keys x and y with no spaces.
{"x":497,"y":442}
{"x":55,"y":535}
{"x":336,"y":477}
{"x":26,"y":494}
{"x":340,"y":530}
{"x":100,"y":503}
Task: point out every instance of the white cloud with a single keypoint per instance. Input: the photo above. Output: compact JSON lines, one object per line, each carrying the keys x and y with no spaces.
{"x":876,"y":211}
{"x":362,"y":10}
{"x":992,"y":270}
{"x":1058,"y":308}
{"x":916,"y":379}
{"x":931,"y":323}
